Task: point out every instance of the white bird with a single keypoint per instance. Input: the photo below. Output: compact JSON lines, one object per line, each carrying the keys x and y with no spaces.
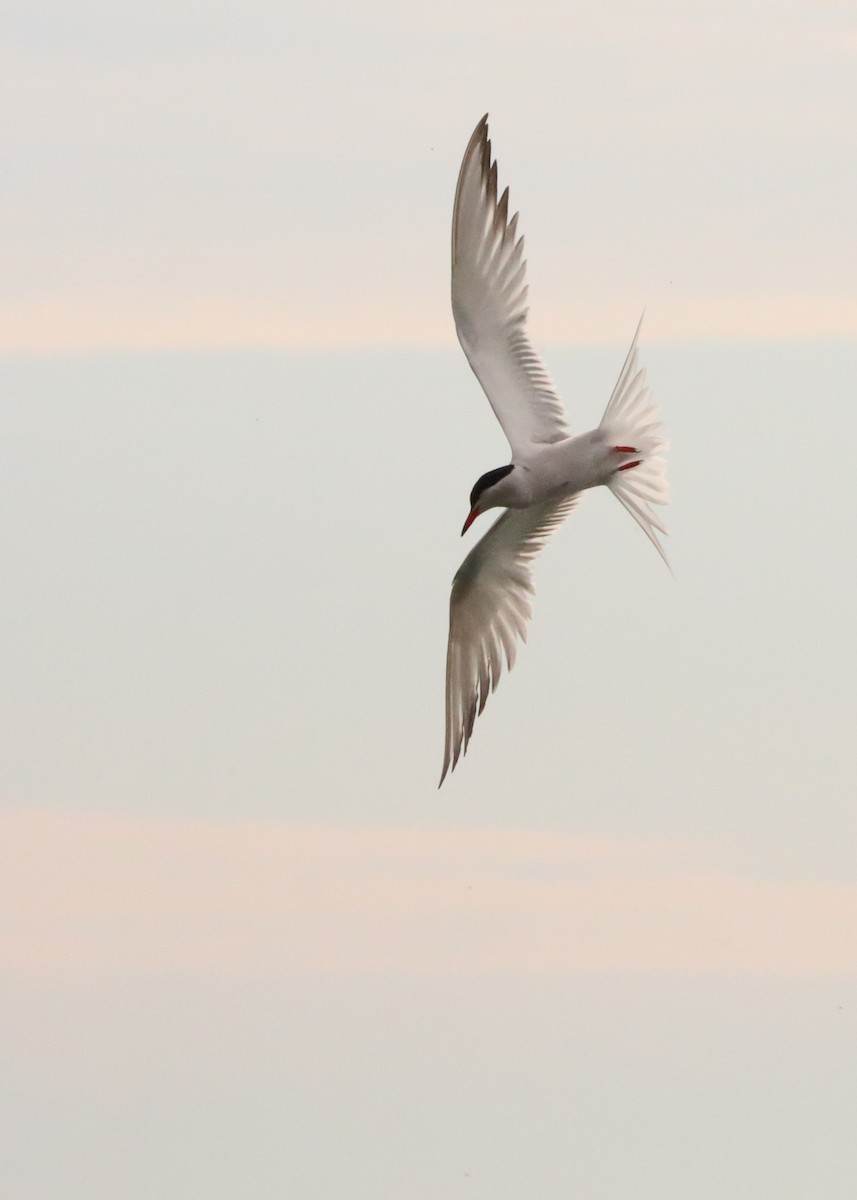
{"x":490,"y":602}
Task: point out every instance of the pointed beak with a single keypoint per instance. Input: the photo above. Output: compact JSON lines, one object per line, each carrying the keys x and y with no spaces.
{"x":474,"y":513}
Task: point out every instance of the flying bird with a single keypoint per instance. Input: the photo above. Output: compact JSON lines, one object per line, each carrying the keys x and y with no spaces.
{"x":490,"y":602}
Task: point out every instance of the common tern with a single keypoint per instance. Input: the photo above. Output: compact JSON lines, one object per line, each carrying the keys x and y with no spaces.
{"x":490,"y":601}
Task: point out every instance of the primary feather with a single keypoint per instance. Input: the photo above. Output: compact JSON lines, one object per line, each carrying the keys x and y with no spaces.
{"x":489,"y":303}
{"x":488,"y":613}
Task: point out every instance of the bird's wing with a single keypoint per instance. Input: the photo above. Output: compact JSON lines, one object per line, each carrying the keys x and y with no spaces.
{"x":488,"y":611}
{"x":489,"y":303}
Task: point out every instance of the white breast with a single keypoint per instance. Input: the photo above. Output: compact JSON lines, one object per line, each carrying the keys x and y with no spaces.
{"x":569,"y":466}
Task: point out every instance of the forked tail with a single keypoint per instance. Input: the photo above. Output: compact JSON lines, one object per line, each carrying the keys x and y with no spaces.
{"x":631,"y":421}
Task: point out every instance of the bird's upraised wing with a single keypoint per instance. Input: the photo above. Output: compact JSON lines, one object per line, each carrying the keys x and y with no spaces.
{"x":489,"y":303}
{"x":488,"y":611}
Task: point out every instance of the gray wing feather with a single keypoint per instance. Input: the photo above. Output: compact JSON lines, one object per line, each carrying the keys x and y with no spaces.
{"x":489,"y":303}
{"x":488,"y":612}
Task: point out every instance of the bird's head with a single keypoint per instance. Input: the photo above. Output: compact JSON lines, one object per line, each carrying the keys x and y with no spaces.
{"x":491,"y":490}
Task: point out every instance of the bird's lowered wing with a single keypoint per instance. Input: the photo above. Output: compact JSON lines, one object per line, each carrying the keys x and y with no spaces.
{"x":488,"y":611}
{"x":489,"y":303}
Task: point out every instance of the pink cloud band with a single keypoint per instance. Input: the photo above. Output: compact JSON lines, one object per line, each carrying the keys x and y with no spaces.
{"x":85,"y":895}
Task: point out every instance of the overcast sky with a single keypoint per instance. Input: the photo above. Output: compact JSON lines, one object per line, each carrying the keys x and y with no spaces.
{"x":280,"y":174}
{"x":247,"y":948}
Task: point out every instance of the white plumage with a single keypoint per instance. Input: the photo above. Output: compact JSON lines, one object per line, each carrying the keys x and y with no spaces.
{"x":490,"y":602}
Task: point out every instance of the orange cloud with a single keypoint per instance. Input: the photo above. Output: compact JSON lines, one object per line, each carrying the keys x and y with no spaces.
{"x":88,"y":894}
{"x":136,"y":321}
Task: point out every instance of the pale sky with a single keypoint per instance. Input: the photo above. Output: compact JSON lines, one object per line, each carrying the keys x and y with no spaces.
{"x":247,"y":947}
{"x":280,"y":174}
